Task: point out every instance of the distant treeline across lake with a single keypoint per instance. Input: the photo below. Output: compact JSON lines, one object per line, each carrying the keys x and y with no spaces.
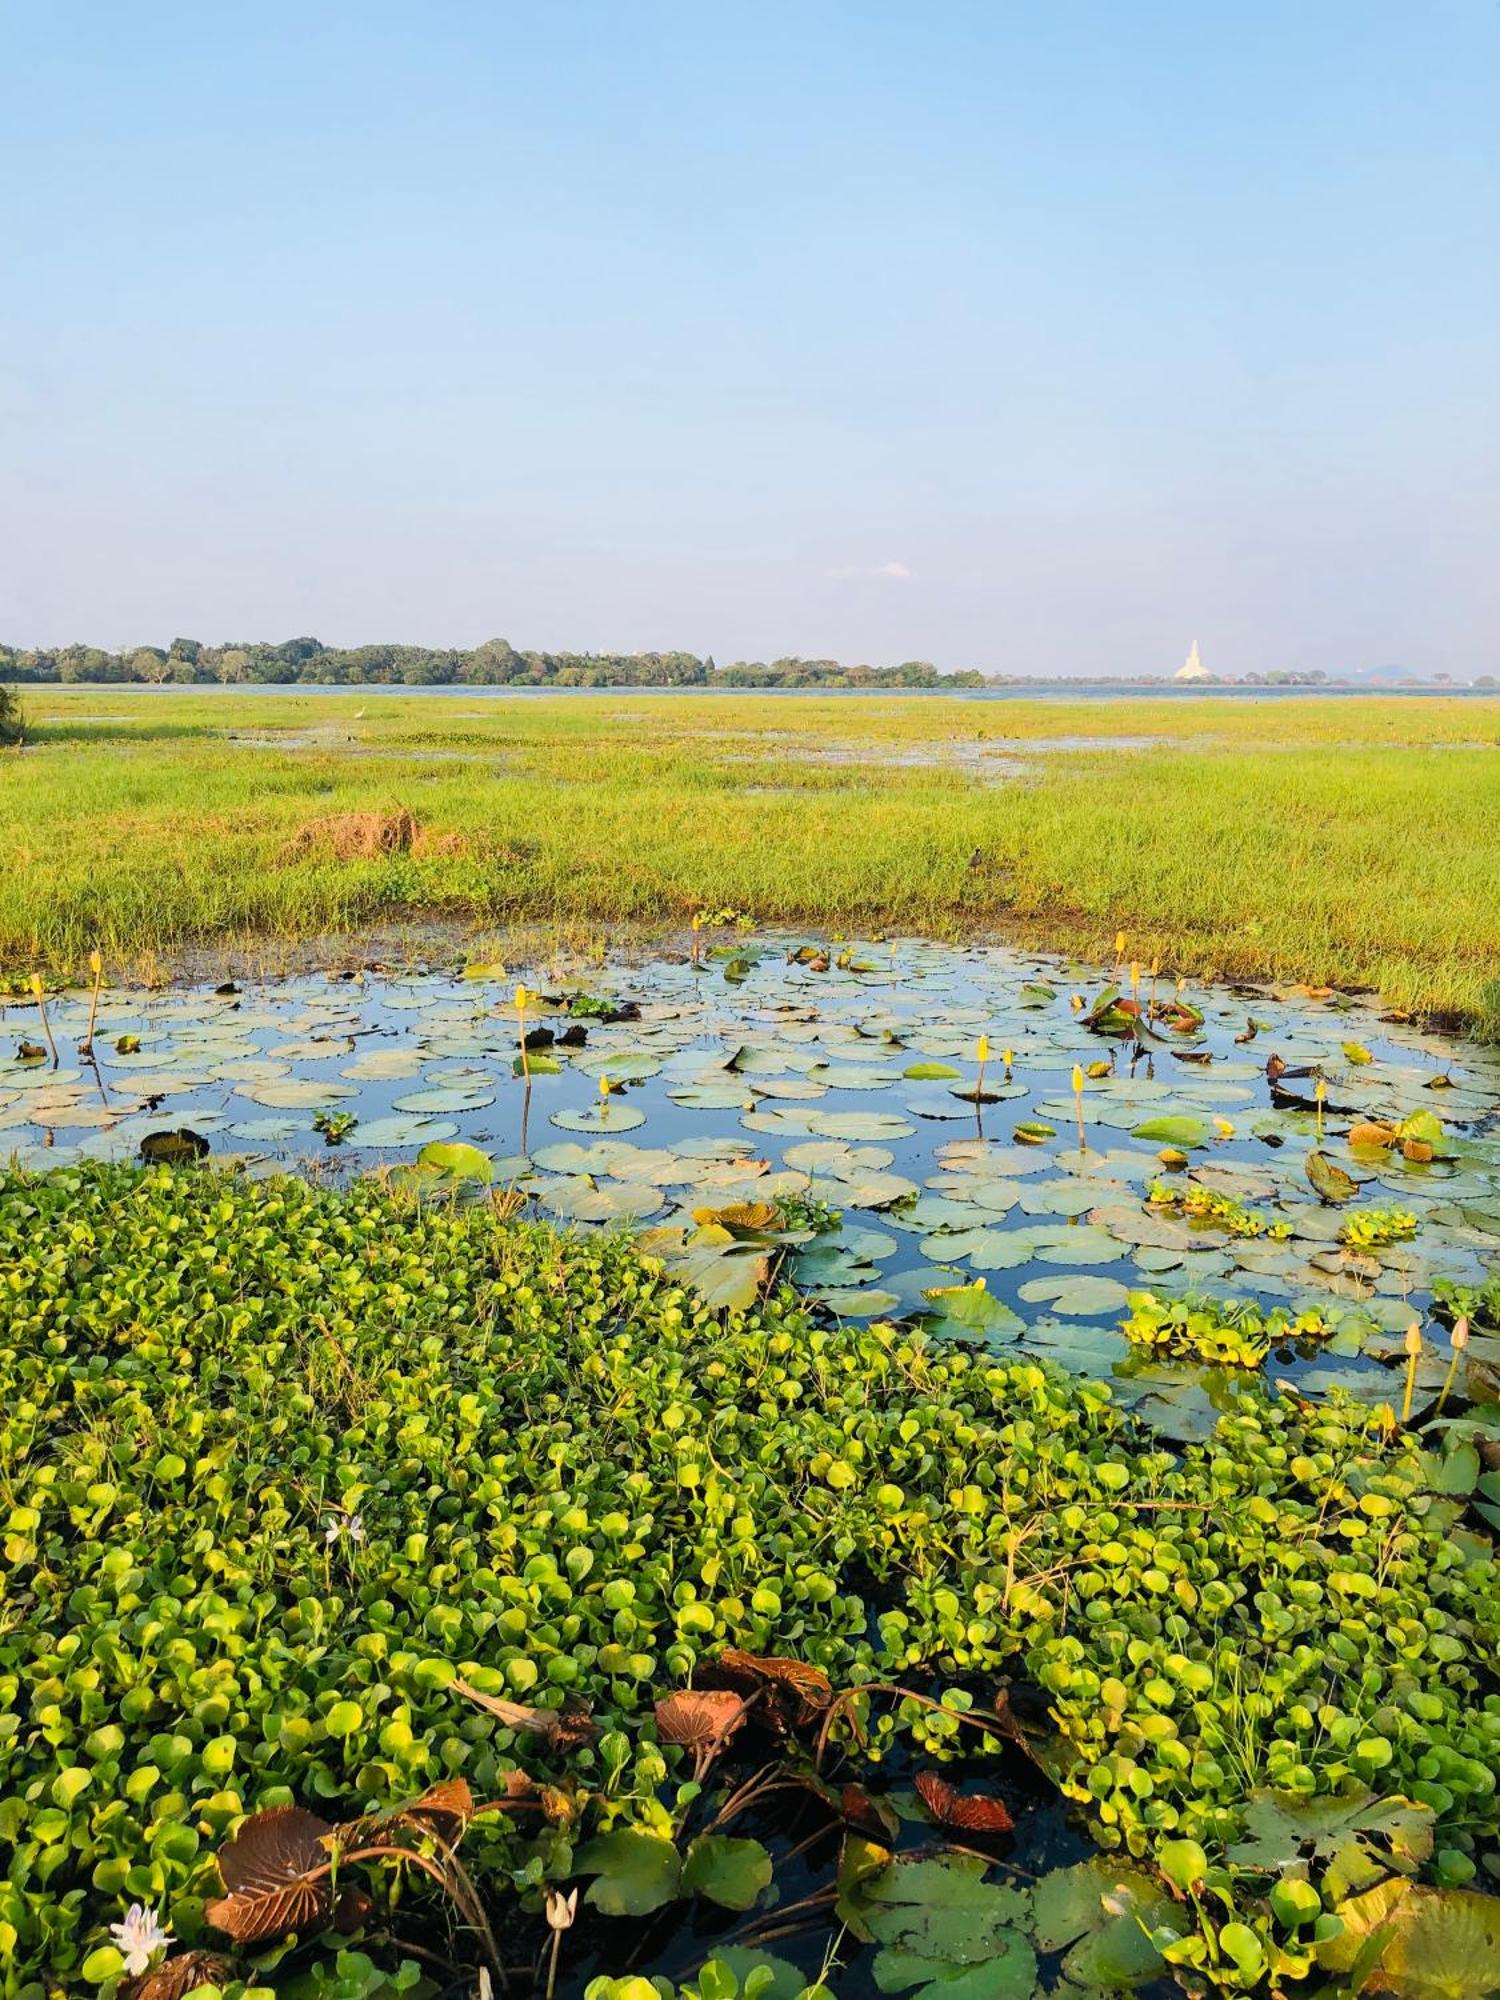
{"x":498,"y":665}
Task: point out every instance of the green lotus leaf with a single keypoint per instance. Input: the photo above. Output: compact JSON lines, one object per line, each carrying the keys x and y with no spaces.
{"x":733,"y":1873}
{"x":634,"y":1872}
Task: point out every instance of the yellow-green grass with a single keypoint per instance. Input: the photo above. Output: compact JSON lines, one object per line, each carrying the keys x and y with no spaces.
{"x":1346,"y":841}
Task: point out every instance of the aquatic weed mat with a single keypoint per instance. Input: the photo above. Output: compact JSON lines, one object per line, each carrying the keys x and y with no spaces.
{"x":403,"y":1599}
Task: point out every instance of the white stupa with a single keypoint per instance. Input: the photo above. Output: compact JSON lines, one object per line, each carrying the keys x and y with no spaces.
{"x":1192,"y":668}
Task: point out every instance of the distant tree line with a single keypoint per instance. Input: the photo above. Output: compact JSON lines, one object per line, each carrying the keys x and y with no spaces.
{"x":494,"y":664}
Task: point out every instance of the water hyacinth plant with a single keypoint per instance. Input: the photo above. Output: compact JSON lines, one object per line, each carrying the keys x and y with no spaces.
{"x":439,"y":1532}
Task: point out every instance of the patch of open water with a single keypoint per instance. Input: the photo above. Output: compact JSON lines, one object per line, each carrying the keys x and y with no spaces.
{"x":756,"y":1077}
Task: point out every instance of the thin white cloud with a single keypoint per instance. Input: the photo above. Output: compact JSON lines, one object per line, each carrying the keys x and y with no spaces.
{"x":854,"y":572}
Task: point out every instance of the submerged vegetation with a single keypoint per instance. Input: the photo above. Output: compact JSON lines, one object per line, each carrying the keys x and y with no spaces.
{"x":404,"y":1527}
{"x":1336,"y":842}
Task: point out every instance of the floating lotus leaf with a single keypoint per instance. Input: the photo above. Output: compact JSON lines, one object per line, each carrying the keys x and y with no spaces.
{"x":583,"y":1200}
{"x":1173,"y":1130}
{"x":837,"y":1157}
{"x":444,"y":1098}
{"x":732,"y":1873}
{"x":1329,"y":1179}
{"x":713,"y":1096}
{"x":971,"y":1312}
{"x":1084,"y":1296}
{"x":634,"y":1872}
{"x":379,"y":1064}
{"x":1076,"y":1243}
{"x":1101,"y":1913}
{"x":1054,"y":1198}
{"x":404,"y":1130}
{"x":270,"y":1131}
{"x":295,"y":1095}
{"x":456,"y":1162}
{"x":600,"y":1118}
{"x":985,"y":1249}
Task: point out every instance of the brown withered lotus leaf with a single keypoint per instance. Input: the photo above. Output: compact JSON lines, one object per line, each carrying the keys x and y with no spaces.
{"x":275,"y":1877}
{"x":564,"y":1728}
{"x":864,"y":1813}
{"x":963,"y":1812}
{"x":1370,"y":1132}
{"x":789,"y":1693}
{"x":518,"y":1788}
{"x":443,"y":1810}
{"x":740,"y":1217}
{"x":699,"y":1719}
{"x":180,"y":1975}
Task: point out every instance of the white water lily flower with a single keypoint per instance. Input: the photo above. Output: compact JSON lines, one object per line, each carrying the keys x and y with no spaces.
{"x":138,"y":1937}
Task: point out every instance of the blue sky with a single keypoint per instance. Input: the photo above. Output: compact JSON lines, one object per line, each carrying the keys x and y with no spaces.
{"x":1032,"y":338}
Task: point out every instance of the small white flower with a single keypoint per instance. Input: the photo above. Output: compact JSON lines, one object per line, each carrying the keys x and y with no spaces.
{"x":331,"y":1531}
{"x":355,"y":1528}
{"x":334,"y":1531}
{"x":561,"y":1909}
{"x":138,"y":1937}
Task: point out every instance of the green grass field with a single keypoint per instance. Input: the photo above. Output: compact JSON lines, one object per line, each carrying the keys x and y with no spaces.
{"x":1341,"y":841}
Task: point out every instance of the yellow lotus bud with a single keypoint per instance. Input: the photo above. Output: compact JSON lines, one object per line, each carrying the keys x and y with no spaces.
{"x":1320,"y":1090}
{"x":1135,"y":972}
{"x":1414,"y":1338}
{"x":1155,"y":967}
{"x":1461,"y":1333}
{"x":1119,"y":944}
{"x":522,"y":996}
{"x":605,"y":1086}
{"x":1224,"y":1128}
{"x":1007,"y":1056}
{"x":36,"y":984}
{"x":96,"y":963}
{"x":983,"y":1049}
{"x":1077,"y":1081}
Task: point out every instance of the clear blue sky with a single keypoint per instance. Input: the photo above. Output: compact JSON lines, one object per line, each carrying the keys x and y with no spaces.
{"x":1026,"y":337}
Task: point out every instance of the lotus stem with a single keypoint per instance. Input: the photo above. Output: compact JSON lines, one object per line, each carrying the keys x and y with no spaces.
{"x":1320,"y":1091}
{"x":1413,"y":1356}
{"x":96,"y":966}
{"x":1078,"y":1103}
{"x":522,"y":996}
{"x":41,"y":1007}
{"x":1460,"y":1342}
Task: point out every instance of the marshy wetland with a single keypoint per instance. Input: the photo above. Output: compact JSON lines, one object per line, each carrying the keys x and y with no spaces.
{"x":775,"y":1432}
